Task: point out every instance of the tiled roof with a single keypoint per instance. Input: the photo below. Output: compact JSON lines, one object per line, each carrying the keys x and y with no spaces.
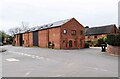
{"x":100,"y":30}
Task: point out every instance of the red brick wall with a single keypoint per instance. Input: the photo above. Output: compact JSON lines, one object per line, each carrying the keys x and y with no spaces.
{"x":43,"y":38}
{"x":72,"y":25}
{"x":31,"y":39}
{"x":114,"y":30}
{"x":54,"y":37}
{"x":92,"y":38}
{"x":115,"y":50}
{"x":25,"y":39}
{"x":17,"y":42}
{"x":95,"y":39}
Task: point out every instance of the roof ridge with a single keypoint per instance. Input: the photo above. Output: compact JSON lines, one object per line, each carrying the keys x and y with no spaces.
{"x":99,"y":30}
{"x":49,"y":25}
{"x":104,"y":26}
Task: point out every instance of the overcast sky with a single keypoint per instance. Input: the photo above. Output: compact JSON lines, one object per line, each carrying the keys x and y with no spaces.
{"x":38,"y":12}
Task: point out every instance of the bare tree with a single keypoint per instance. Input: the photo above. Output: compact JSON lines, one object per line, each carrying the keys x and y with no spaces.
{"x":14,"y":31}
{"x":25,"y":25}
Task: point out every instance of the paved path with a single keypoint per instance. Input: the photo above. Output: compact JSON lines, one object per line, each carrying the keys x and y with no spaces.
{"x":43,"y":62}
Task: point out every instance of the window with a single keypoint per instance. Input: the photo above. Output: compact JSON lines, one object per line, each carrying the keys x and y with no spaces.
{"x":81,"y":32}
{"x":63,"y":41}
{"x":95,"y":36}
{"x":65,"y":31}
{"x":73,"y":32}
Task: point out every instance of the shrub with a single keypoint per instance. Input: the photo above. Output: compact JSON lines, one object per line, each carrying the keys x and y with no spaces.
{"x":105,"y":39}
{"x":86,"y":44}
{"x":92,"y":43}
{"x":114,"y":39}
{"x":100,"y":41}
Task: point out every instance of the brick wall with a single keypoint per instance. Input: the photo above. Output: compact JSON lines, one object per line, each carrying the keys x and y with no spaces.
{"x":54,"y":37}
{"x":25,"y":39}
{"x":115,"y":50}
{"x":17,"y":42}
{"x":77,"y":40}
{"x":50,"y":35}
{"x":114,"y":30}
{"x":57,"y":37}
{"x":92,"y":38}
{"x":43,"y":38}
{"x":30,"y":39}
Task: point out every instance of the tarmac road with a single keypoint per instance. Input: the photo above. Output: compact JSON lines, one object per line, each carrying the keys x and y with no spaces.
{"x":43,"y":62}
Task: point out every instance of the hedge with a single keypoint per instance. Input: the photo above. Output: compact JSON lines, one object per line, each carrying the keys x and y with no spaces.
{"x":113,"y":39}
{"x":86,"y":44}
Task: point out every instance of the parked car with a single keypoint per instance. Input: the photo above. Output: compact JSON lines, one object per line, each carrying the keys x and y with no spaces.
{"x":1,"y":44}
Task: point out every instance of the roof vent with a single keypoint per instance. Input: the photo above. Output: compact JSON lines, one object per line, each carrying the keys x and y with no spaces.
{"x":51,"y":24}
{"x":46,"y":26}
{"x":41,"y":27}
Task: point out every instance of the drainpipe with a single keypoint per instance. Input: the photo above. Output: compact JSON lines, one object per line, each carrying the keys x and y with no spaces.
{"x":47,"y":37}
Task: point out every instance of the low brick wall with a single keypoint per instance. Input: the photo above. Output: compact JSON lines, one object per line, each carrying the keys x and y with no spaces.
{"x":115,"y":50}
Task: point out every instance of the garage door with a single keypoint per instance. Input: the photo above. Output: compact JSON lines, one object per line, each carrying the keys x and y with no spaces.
{"x":35,"y":38}
{"x":21,"y":40}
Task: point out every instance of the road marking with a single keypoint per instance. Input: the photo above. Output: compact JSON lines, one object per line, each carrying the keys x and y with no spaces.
{"x":100,"y":69}
{"x":59,"y":75}
{"x":28,"y":55}
{"x":104,"y":70}
{"x":96,"y":68}
{"x":41,"y":57}
{"x":12,"y":59}
{"x":27,"y":74}
{"x":33,"y":56}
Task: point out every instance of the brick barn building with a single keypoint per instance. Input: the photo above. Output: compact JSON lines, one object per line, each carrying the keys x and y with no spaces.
{"x":94,"y":33}
{"x":62,"y":34}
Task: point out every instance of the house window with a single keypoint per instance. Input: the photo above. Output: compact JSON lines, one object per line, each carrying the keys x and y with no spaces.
{"x":81,"y":32}
{"x":65,"y":31}
{"x":73,"y":32}
{"x":63,"y":41}
{"x":95,"y":36}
